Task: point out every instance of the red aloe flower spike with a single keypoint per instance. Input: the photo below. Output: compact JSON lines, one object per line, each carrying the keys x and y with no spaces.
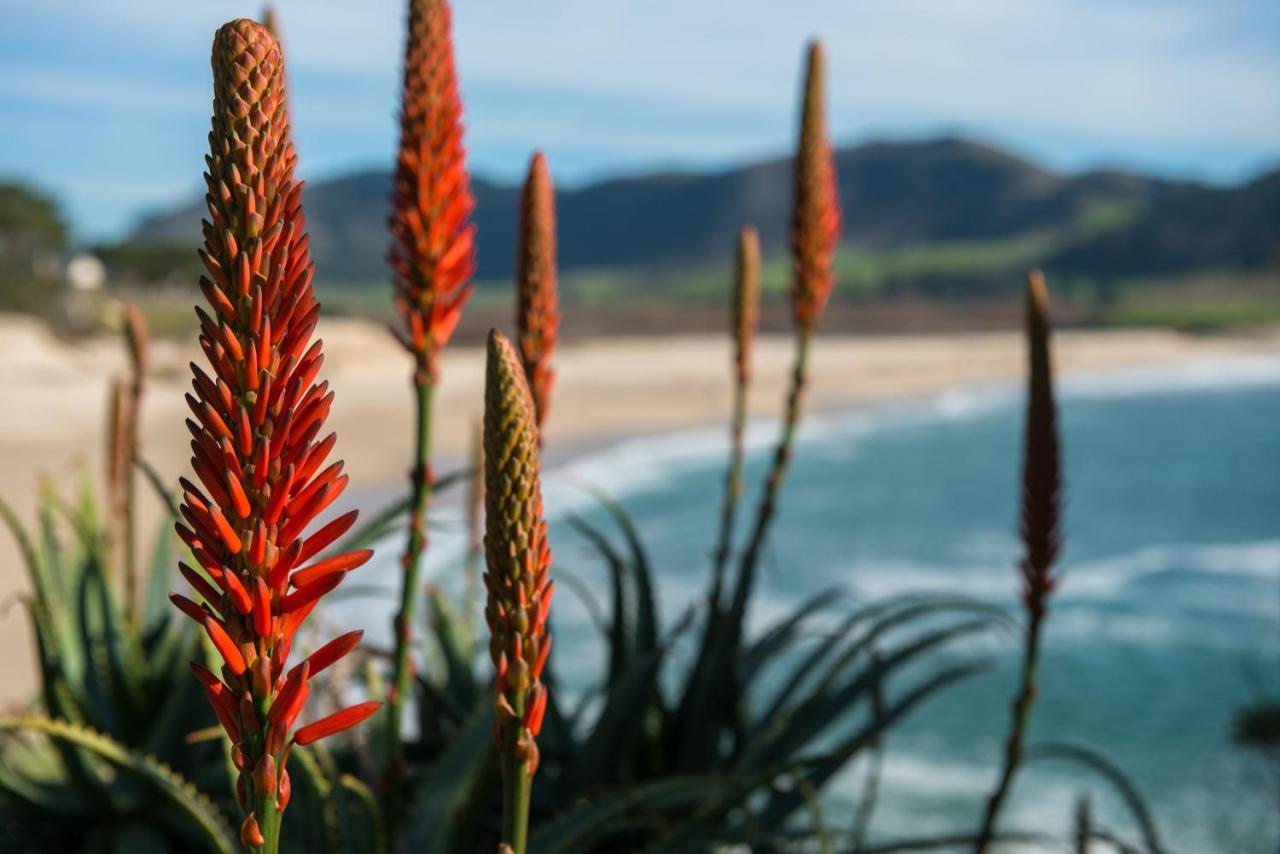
{"x":432,"y":259}
{"x":1039,"y":524}
{"x":537,"y":310}
{"x":518,"y":584}
{"x":432,"y":241}
{"x":257,"y":414}
{"x":815,"y":223}
{"x":335,"y":723}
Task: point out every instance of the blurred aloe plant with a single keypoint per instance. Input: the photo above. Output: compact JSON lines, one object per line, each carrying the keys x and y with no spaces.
{"x":106,"y":755}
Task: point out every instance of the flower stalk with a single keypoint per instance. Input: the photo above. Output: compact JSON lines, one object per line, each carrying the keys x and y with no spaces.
{"x":432,"y":258}
{"x":517,"y":580}
{"x":122,"y":450}
{"x":1040,"y":529}
{"x":744,"y":319}
{"x":260,"y":474}
{"x":815,"y":231}
{"x":537,"y":310}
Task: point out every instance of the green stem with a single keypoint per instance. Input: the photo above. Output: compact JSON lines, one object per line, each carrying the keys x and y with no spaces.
{"x":402,"y":628}
{"x":127,"y":522}
{"x":705,"y":699}
{"x":268,"y":824}
{"x":517,"y":786}
{"x":732,"y":490}
{"x":1017,"y":732}
{"x":773,"y":484}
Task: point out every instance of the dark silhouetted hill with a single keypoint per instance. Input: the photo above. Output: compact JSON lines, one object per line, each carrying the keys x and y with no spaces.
{"x":896,"y":196}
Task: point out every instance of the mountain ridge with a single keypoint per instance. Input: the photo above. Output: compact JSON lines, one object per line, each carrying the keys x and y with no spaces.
{"x":1101,"y":224}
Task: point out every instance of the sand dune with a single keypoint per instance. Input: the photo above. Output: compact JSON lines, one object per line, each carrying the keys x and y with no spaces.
{"x":53,"y":396}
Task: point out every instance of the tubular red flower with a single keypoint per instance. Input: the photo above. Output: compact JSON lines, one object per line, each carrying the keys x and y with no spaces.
{"x":333,"y":651}
{"x":288,"y":702}
{"x":225,"y":645}
{"x":336,"y":722}
{"x":257,"y":409}
{"x":325,"y":537}
{"x":340,"y":563}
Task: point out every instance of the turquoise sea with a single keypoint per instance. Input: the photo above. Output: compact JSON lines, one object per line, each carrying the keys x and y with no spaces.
{"x":1167,"y":619}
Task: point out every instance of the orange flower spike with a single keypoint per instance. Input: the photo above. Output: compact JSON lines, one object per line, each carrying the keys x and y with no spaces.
{"x":432,"y":257}
{"x":258,"y":406}
{"x":432,"y":249}
{"x":815,"y":224}
{"x":518,"y":561}
{"x":537,"y":309}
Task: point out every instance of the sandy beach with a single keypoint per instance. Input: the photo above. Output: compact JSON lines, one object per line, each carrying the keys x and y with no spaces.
{"x":54,"y":397}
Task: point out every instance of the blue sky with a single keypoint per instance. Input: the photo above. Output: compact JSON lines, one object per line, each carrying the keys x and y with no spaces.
{"x":106,"y":104}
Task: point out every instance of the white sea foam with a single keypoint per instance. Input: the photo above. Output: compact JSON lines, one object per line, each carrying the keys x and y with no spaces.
{"x":1211,"y":374}
{"x":645,"y":462}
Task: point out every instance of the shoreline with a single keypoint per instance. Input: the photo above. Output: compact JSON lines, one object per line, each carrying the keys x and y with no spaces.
{"x":608,"y":393}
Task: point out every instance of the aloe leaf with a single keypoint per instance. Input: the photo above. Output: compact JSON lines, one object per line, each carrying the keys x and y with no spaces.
{"x":440,"y":701}
{"x":359,"y":817}
{"x":706,"y":826}
{"x":619,"y":726}
{"x":1098,"y":763}
{"x":203,"y":819}
{"x":954,"y":841}
{"x":29,"y":556}
{"x":160,"y":485}
{"x":48,"y":585}
{"x":310,"y":823}
{"x":620,"y":647}
{"x":45,"y":795}
{"x":579,"y":588}
{"x":789,"y":732}
{"x":456,"y":790}
{"x":454,"y":647}
{"x":593,"y":822}
{"x":822,"y":768}
{"x":178,"y":704}
{"x":374,"y":528}
{"x":890,"y":614}
{"x":780,"y":636}
{"x":646,"y":612}
{"x":156,"y":608}
{"x":106,"y":698}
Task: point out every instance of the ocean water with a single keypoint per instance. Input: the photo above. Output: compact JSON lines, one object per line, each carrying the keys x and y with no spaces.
{"x":1167,"y":619}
